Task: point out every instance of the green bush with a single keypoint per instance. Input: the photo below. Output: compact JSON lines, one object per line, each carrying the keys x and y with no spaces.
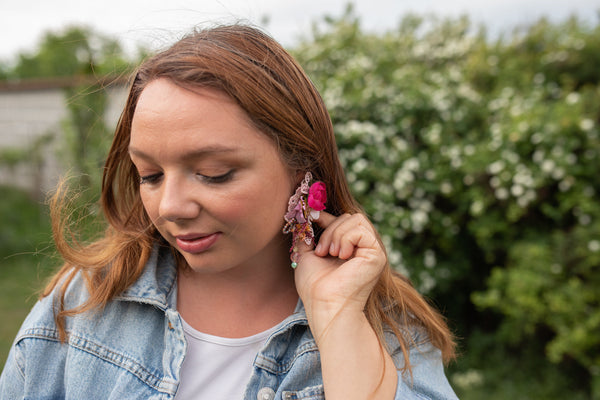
{"x":477,"y":160}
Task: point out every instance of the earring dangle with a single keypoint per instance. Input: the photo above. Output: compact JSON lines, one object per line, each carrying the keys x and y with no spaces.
{"x":304,"y":206}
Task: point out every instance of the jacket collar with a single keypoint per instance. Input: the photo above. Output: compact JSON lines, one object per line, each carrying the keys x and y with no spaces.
{"x":157,"y":284}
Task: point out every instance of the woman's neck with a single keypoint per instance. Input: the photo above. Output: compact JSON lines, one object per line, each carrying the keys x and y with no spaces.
{"x":239,"y":302}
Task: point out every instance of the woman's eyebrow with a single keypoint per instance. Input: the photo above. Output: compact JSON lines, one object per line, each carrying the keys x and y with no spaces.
{"x":192,"y":153}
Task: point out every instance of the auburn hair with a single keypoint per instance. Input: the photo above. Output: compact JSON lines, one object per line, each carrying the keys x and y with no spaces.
{"x":279,"y":98}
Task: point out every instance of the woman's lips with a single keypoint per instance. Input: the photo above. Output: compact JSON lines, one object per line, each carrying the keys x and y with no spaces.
{"x":196,"y":244}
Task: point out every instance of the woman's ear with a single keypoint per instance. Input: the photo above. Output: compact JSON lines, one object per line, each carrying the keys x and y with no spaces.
{"x":299,"y":177}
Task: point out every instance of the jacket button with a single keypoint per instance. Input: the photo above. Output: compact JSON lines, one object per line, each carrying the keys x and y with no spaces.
{"x":265,"y":393}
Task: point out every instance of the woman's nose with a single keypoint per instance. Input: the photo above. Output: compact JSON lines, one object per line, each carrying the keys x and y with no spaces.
{"x":177,"y":201}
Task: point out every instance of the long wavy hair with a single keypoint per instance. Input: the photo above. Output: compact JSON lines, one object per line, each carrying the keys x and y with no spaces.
{"x":279,"y":98}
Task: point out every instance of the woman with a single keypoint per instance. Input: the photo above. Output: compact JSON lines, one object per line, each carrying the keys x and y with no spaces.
{"x":190,"y":293}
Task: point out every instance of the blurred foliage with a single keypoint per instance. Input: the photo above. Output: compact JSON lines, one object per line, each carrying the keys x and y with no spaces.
{"x":477,"y":159}
{"x":73,"y":51}
{"x":3,"y":71}
{"x":86,"y":137}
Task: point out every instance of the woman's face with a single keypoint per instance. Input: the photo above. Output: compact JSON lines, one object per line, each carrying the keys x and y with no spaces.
{"x":213,"y":185}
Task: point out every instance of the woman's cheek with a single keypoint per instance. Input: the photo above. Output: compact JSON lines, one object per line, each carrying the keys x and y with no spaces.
{"x":234,"y":206}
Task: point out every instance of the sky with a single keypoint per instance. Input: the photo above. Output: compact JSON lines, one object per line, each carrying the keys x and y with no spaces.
{"x":157,"y":23}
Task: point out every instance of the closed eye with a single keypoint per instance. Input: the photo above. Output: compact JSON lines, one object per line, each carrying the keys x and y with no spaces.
{"x":218,"y":178}
{"x":150,"y":179}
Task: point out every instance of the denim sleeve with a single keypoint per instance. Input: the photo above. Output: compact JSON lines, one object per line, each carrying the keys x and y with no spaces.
{"x":428,"y":380}
{"x":12,"y":380}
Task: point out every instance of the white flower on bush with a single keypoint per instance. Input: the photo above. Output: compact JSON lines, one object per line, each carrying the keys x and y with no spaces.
{"x":524,"y":200}
{"x":360,"y":186}
{"x":402,"y":178}
{"x":412,"y":164}
{"x":477,"y":208}
{"x":566,"y":183}
{"x":573,"y":98}
{"x":537,"y":138}
{"x":585,"y":219}
{"x":429,"y":259}
{"x":446,"y":188}
{"x":523,"y":177}
{"x":360,"y":165}
{"x":538,"y":156}
{"x":333,"y":96}
{"x":510,"y":156}
{"x":495,"y":182}
{"x":548,"y":166}
{"x":469,"y":150}
{"x":434,"y":134}
{"x":427,"y":282}
{"x":586,"y":124}
{"x":558,"y":173}
{"x":496,"y":167}
{"x":418,"y":219}
{"x":517,"y":190}
{"x":467,"y":379}
{"x":501,"y":193}
{"x":539,"y":78}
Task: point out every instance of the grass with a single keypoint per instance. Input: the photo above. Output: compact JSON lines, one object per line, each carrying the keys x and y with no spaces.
{"x":26,"y":260}
{"x":21,"y":278}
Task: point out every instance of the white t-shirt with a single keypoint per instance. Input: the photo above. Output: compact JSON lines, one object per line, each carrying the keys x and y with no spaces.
{"x":217,"y":368}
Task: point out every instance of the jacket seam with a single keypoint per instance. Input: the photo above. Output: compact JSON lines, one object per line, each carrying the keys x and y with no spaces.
{"x":122,"y":361}
{"x":18,"y":357}
{"x":271,"y":365}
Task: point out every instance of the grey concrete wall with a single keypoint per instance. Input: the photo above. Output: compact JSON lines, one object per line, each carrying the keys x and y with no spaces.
{"x":25,"y":116}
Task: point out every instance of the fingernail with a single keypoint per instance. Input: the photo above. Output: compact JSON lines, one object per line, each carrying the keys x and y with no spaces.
{"x":319,"y":248}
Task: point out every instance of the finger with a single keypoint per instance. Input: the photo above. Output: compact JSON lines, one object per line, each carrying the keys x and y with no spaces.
{"x":331,"y":223}
{"x":325,"y":219}
{"x":344,"y":236}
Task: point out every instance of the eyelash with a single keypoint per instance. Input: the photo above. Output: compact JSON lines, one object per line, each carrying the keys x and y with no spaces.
{"x":219,"y":178}
{"x":150,"y":179}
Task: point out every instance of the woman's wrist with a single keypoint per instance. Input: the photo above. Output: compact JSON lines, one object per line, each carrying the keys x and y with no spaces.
{"x":324,"y":318}
{"x":355,"y":363}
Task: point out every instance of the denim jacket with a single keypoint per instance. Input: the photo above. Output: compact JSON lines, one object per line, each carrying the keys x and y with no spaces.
{"x":135,"y":346}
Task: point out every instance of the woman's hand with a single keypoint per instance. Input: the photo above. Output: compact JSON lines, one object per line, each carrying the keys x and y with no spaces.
{"x":334,"y":282}
{"x":340,"y":273}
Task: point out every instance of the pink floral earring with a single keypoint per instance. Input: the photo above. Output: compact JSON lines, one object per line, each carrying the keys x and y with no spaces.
{"x":304,"y":206}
